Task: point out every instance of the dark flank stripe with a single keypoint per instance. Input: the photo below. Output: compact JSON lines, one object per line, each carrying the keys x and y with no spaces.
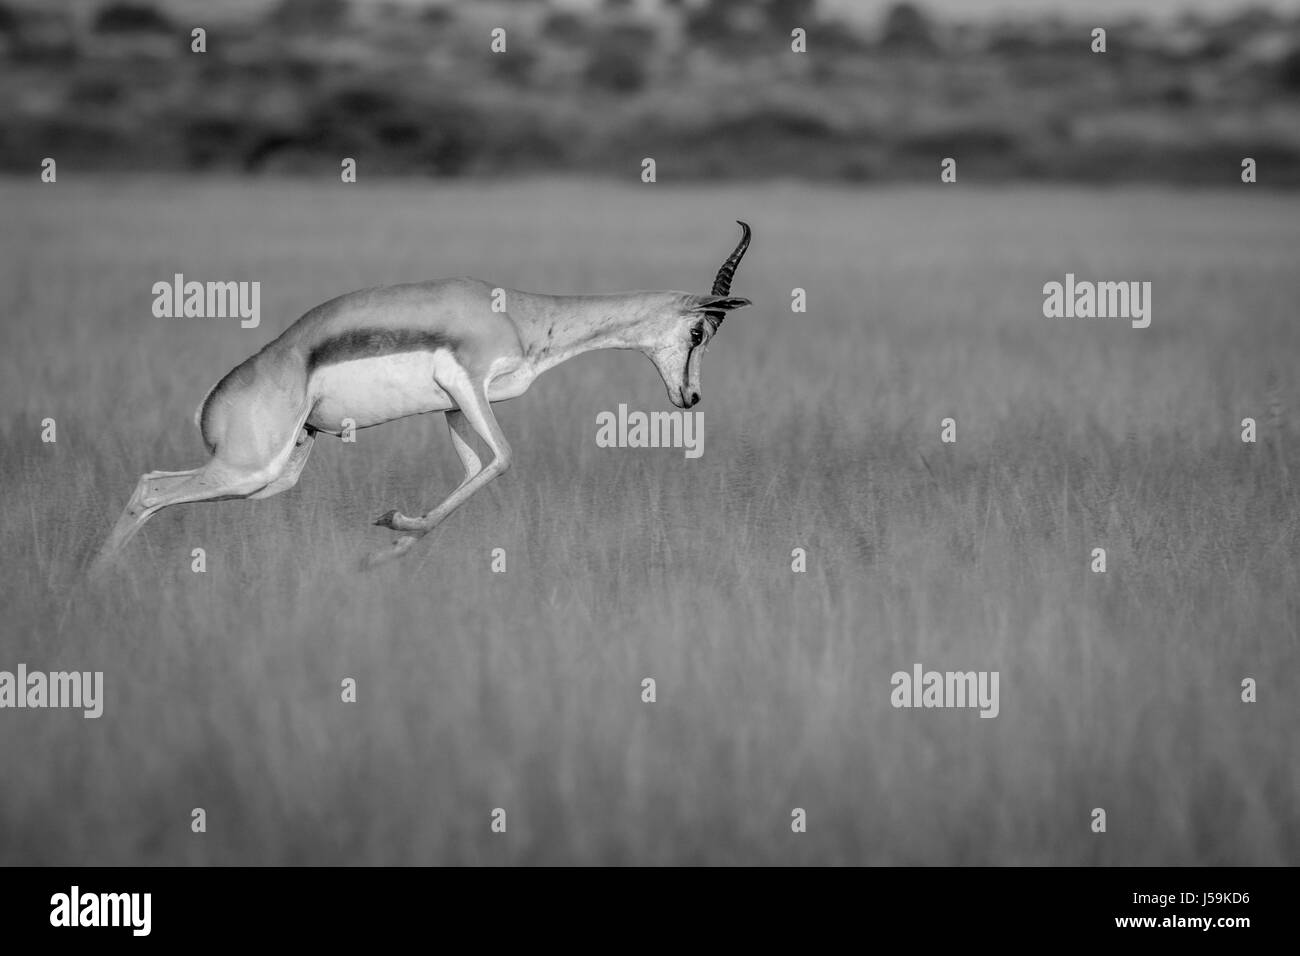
{"x":368,"y":343}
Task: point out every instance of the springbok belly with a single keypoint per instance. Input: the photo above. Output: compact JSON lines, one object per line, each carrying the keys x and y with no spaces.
{"x":378,"y":389}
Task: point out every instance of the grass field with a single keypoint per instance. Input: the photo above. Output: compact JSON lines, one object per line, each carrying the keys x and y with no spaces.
{"x":522,"y":690}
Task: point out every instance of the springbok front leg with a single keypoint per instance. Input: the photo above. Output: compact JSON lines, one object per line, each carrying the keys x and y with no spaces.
{"x":475,"y":409}
{"x":460,"y":432}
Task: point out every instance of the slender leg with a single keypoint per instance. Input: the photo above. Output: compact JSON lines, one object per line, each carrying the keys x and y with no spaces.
{"x":149,"y":490}
{"x":460,"y":431}
{"x":289,"y":477}
{"x":170,"y":474}
{"x":477,"y":411}
{"x":215,"y":481}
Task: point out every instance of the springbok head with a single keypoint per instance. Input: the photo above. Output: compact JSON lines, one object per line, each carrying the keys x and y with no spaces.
{"x":680,"y":351}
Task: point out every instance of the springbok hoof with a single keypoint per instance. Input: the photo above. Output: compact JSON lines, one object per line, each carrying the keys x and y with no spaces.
{"x":386,"y":519}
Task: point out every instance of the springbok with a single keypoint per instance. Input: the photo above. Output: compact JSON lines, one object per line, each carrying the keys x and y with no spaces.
{"x":385,"y":353}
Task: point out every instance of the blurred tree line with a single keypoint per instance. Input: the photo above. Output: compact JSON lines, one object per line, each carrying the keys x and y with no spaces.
{"x":710,"y":88}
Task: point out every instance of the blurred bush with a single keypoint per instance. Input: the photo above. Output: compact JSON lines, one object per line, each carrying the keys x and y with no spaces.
{"x":908,"y":30}
{"x":132,"y":18}
{"x":711,"y":88}
{"x":620,"y":58}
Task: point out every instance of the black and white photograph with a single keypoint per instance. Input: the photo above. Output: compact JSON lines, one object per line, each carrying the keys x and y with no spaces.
{"x":650,"y":434}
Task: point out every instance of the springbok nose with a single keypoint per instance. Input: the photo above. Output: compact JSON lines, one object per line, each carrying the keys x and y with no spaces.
{"x":692,"y":399}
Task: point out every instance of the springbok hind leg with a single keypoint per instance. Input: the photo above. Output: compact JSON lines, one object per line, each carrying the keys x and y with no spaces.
{"x":297,"y":461}
{"x":215,"y":481}
{"x":151,"y":488}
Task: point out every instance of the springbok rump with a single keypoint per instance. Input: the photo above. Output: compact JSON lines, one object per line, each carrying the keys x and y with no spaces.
{"x":381,"y":354}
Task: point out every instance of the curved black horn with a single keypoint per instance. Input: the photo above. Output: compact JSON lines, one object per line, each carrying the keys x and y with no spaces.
{"x":722,"y":282}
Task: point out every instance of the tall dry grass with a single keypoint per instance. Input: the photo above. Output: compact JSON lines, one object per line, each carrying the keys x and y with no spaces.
{"x":522,"y":690}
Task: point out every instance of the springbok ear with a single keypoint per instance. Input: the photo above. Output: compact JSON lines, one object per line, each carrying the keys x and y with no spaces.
{"x":717,"y":303}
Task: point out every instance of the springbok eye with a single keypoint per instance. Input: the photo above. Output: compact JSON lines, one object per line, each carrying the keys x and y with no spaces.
{"x":697,"y":335}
